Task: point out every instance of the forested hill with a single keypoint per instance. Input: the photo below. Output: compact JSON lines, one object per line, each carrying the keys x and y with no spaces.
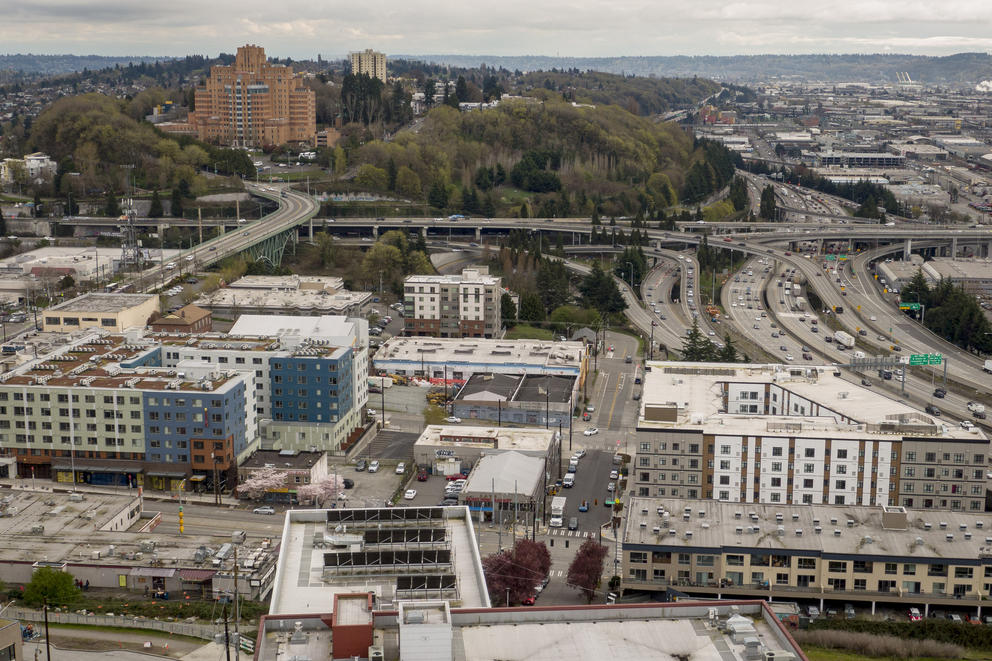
{"x":958,"y":68}
{"x":55,"y":65}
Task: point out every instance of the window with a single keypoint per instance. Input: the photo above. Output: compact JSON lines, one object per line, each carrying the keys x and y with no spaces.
{"x":806,"y":563}
{"x":842,"y":454}
{"x":837,"y":566}
{"x":809,"y":453}
{"x":777,"y":451}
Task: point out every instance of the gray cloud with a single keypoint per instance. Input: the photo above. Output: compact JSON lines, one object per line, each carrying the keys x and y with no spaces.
{"x":303,"y":28}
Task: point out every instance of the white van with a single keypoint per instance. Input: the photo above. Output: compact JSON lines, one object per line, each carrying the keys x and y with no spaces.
{"x":569,"y":480}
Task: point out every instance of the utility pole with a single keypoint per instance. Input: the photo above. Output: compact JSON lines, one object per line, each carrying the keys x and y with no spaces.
{"x":237,"y":600}
{"x":48,"y":639}
{"x":227,"y":636}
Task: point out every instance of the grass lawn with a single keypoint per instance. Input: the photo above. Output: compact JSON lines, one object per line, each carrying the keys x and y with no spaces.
{"x":826,"y":654}
{"x":525,"y":332}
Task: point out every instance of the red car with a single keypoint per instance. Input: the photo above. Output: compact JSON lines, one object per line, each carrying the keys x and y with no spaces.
{"x":529,"y":601}
{"x":421,"y":476}
{"x":456,"y":476}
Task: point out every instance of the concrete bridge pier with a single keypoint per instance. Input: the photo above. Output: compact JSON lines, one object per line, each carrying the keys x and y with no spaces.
{"x":988,"y":249}
{"x":161,"y":231}
{"x":907,"y":249}
{"x":310,"y":231}
{"x":478,"y":234}
{"x":375,"y":231}
{"x":954,"y":246}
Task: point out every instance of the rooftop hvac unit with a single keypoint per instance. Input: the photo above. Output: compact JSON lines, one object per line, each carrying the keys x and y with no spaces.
{"x":376,"y":654}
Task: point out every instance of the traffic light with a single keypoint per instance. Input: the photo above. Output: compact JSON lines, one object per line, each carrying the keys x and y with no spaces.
{"x":181,"y":526}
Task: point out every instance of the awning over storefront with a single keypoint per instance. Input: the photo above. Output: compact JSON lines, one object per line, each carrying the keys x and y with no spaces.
{"x":155,"y":473}
{"x":154,"y":572}
{"x":93,"y":468}
{"x":196,"y":575}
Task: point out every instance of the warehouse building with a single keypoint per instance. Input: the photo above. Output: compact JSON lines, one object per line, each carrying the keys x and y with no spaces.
{"x":287,"y":295}
{"x":866,"y":554}
{"x":455,"y":360}
{"x":790,"y":434}
{"x":449,"y":449}
{"x":532,"y":400}
{"x":110,"y":312}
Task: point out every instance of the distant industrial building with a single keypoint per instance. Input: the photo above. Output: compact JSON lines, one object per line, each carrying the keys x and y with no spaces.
{"x":454,"y":361}
{"x":82,"y":263}
{"x":287,"y":295}
{"x":790,"y":434}
{"x":252,"y":103}
{"x":857,"y":159}
{"x":369,"y":62}
{"x":466,"y":305}
{"x":109,"y":312}
{"x":974,"y":275}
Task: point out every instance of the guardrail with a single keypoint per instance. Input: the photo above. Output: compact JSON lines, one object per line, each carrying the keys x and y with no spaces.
{"x":203,"y":631}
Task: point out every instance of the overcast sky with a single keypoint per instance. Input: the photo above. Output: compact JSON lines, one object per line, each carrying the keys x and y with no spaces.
{"x":303,"y":28}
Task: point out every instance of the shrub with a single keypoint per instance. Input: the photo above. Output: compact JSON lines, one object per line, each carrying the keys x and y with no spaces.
{"x":868,"y":644}
{"x":944,"y":631}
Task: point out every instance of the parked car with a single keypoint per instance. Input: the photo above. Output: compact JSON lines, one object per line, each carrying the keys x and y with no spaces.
{"x":849,"y":611}
{"x":410,"y":494}
{"x":374,"y":466}
{"x":573,"y":523}
{"x":592,"y":431}
{"x":361,"y":466}
{"x":452,"y":419}
{"x":264,"y":509}
{"x":914,"y":615}
{"x":422,"y":475}
{"x":578,"y":454}
{"x":349,"y":484}
{"x":401,"y":468}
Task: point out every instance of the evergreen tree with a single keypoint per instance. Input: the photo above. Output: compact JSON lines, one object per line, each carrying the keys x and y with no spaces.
{"x":155,"y":210}
{"x":767,"y":206}
{"x":508,"y":309}
{"x":696,"y":347}
{"x":177,"y":203}
{"x":728,"y":352}
{"x":111,"y":208}
{"x":438,"y":195}
{"x":391,"y":172}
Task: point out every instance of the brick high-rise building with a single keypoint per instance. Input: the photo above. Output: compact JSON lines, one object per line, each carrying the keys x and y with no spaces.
{"x":369,"y":62}
{"x":253,"y":103}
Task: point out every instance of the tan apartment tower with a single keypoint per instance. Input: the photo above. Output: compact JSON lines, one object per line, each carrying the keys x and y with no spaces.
{"x":369,"y":62}
{"x":253,"y":103}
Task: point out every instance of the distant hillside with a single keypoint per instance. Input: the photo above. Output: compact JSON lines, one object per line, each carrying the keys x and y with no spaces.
{"x":54,"y":65}
{"x":875,"y":68}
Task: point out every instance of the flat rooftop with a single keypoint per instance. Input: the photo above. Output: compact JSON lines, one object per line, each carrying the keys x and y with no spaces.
{"x":959,"y":269}
{"x":532,"y":439}
{"x":288,"y":459}
{"x":341,"y":330}
{"x":486,"y":354}
{"x":287,"y":282}
{"x":399,"y":553}
{"x":97,"y":303}
{"x":844,"y":529}
{"x":641,"y":632}
{"x":846,"y":410}
{"x":309,"y":300}
{"x":518,"y":388}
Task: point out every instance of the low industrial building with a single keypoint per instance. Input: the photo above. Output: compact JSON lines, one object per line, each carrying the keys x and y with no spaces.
{"x":785,"y":434}
{"x":108,"y":542}
{"x":974,"y":275}
{"x":532,"y":400}
{"x":188,"y":319}
{"x":867,"y":554}
{"x":896,"y":274}
{"x":453,"y":448}
{"x":109,"y":312}
{"x":287,"y":295}
{"x":455,"y":360}
{"x":83,"y":263}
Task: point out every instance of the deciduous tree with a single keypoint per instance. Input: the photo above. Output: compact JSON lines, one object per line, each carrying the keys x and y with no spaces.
{"x":51,"y":585}
{"x":586,"y":571}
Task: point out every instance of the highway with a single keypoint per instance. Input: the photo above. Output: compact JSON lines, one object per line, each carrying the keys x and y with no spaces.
{"x":294,"y":208}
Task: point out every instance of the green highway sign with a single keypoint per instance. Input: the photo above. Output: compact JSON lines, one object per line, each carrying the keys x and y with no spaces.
{"x":909,"y":306}
{"x":841,"y":257}
{"x":926,"y":359}
{"x":831,"y":258}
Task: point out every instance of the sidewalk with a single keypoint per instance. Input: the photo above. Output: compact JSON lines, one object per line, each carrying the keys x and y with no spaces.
{"x":47,"y":486}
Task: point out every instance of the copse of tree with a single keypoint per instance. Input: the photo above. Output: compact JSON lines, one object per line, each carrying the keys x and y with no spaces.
{"x":51,"y":585}
{"x":951,"y":312}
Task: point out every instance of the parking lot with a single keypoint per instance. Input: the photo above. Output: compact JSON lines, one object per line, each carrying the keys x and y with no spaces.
{"x":371,"y":489}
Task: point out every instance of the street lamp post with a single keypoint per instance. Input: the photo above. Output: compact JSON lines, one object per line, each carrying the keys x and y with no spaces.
{"x":631,"y":265}
{"x":651,"y":343}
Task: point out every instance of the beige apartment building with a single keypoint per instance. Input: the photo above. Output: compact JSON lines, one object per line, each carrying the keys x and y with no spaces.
{"x":862,"y":554}
{"x":253,"y":103}
{"x":783,"y":434}
{"x":466,"y":305}
{"x":369,"y":62}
